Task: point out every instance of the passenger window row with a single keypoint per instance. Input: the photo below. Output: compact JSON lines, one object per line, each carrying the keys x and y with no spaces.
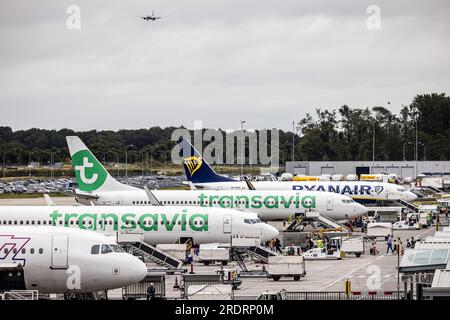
{"x":215,"y":202}
{"x":84,"y":222}
{"x":23,"y":251}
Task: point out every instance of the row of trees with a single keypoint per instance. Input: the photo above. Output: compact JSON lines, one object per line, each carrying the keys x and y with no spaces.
{"x":336,"y":134}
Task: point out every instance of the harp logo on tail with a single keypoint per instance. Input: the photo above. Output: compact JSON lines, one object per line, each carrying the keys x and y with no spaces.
{"x":192,"y":164}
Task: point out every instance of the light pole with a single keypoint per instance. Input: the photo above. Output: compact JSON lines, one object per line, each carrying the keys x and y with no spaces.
{"x":4,"y":164}
{"x":373,"y":148}
{"x":117,"y":163}
{"x":424,"y":150}
{"x":142,"y":163}
{"x":417,"y":151}
{"x":404,"y":150}
{"x":242,"y":148}
{"x":293,"y":142}
{"x":126,"y":159}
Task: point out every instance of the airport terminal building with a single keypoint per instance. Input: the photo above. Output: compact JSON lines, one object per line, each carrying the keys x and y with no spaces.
{"x":400,"y":168}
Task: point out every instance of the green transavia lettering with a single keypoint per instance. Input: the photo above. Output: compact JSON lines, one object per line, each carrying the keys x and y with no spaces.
{"x":130,"y":221}
{"x":258,"y":202}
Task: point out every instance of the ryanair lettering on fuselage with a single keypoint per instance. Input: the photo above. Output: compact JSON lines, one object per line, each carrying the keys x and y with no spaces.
{"x":352,"y":190}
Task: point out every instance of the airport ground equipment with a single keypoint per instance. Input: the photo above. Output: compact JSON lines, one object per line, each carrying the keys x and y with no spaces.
{"x":229,"y":276}
{"x":133,"y":242}
{"x":405,"y":225}
{"x":139,"y":290}
{"x":311,"y":216}
{"x":322,"y":254}
{"x":198,"y":279}
{"x":270,"y":295}
{"x":210,"y":292}
{"x":408,"y":205}
{"x":212,"y":253}
{"x":242,"y":247}
{"x":19,"y":295}
{"x":286,"y":266}
{"x":175,"y":250}
{"x":100,"y":295}
{"x":348,"y":245}
{"x":379,"y":229}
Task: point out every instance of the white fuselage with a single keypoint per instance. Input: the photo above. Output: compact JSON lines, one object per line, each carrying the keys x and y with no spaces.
{"x":357,"y":190}
{"x":158,"y":224}
{"x":59,"y":260}
{"x":269,"y":205}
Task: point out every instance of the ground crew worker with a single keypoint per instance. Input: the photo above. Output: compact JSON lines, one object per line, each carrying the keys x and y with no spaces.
{"x":151,"y":292}
{"x":389,"y":244}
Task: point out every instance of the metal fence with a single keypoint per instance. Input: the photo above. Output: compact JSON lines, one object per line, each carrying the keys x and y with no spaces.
{"x":340,"y":295}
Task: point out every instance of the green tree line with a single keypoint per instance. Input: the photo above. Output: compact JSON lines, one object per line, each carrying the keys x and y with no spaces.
{"x":344,"y":133}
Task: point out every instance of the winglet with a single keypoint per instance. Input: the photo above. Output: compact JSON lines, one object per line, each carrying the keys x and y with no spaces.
{"x":249,"y":183}
{"x":192,"y":186}
{"x":151,"y":197}
{"x":49,"y":202}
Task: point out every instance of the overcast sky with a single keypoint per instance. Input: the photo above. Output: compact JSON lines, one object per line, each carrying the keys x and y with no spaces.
{"x":265,"y":61}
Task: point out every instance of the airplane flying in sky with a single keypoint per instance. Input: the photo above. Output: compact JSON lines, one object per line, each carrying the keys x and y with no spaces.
{"x":61,"y":260}
{"x":269,"y":205}
{"x":150,"y":17}
{"x":200,"y":174}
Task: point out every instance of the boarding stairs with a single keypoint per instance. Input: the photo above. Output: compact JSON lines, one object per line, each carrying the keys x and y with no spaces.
{"x":436,"y":190}
{"x":408,"y":205}
{"x":133,"y":242}
{"x":324,"y":221}
{"x":100,"y":295}
{"x":20,"y":295}
{"x":154,"y":254}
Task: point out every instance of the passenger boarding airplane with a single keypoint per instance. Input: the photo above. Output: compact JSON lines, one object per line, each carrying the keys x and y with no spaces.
{"x":201,"y":175}
{"x":269,"y":205}
{"x":159,"y":224}
{"x":61,"y":260}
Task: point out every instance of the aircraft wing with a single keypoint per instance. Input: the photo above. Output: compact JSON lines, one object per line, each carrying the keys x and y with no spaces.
{"x":48,"y":200}
{"x":151,"y":197}
{"x":250,"y":185}
{"x":81,"y":195}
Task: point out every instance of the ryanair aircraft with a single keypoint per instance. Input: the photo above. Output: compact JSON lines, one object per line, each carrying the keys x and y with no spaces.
{"x":200,"y":174}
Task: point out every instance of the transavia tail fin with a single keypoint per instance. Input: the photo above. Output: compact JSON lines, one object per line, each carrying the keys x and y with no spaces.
{"x":90,"y":173}
{"x":196,"y":168}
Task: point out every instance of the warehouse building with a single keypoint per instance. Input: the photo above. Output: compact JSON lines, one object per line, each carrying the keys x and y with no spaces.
{"x":400,"y":168}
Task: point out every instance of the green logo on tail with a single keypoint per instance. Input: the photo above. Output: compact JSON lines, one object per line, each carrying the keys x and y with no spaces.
{"x":89,"y":172}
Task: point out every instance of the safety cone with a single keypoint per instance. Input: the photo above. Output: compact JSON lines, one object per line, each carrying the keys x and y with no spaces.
{"x":176,"y":285}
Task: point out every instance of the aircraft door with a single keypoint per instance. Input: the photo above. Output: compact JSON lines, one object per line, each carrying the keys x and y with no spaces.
{"x":60,"y":251}
{"x":329,"y":203}
{"x":227,"y":223}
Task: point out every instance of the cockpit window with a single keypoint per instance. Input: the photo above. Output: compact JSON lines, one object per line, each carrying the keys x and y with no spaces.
{"x":95,"y":249}
{"x":116,"y":248}
{"x":106,"y":249}
{"x":252,"y":221}
{"x":347,"y":201}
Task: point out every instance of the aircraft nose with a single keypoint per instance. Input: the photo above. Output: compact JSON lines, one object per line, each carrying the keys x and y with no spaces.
{"x":269,"y":233}
{"x":360,"y":209}
{"x":138,"y":270}
{"x":408,"y":196}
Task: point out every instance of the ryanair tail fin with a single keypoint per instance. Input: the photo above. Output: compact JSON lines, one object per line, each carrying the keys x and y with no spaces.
{"x":196,"y":168}
{"x":90,"y":173}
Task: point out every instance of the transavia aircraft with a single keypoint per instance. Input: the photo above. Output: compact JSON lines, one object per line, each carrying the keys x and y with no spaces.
{"x":162,"y":224}
{"x":60,"y":260}
{"x":98,"y":187}
{"x":201,"y":175}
